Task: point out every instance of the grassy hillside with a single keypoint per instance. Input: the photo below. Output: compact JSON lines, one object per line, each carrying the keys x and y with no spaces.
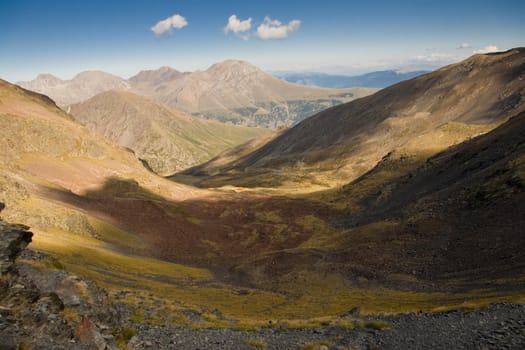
{"x":166,"y":139}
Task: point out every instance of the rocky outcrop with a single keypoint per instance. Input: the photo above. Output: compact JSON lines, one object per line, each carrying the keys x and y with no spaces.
{"x":42,"y":308}
{"x":13,"y":239}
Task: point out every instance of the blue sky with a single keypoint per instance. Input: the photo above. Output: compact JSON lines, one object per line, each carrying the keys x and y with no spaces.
{"x":64,"y":37}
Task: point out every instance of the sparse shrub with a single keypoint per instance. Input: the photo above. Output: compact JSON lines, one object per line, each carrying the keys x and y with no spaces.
{"x":54,"y":263}
{"x":378,"y":325}
{"x":71,"y":314}
{"x":123,"y":336}
{"x":128,"y":333}
{"x":257,"y":343}
{"x":318,"y":345}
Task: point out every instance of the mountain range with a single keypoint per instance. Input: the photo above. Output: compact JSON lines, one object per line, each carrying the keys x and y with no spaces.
{"x":378,"y":79}
{"x":230,"y":91}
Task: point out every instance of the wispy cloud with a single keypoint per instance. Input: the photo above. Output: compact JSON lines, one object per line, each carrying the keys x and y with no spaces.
{"x":165,"y":26}
{"x":487,"y":49}
{"x":435,"y":57}
{"x":239,"y":27}
{"x":464,"y":46}
{"x":274,"y":29}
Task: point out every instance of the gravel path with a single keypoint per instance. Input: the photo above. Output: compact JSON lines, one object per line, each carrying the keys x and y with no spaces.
{"x":499,"y":326}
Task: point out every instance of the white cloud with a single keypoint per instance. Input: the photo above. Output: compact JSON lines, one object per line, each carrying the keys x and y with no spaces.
{"x":464,"y":46}
{"x":435,"y":57}
{"x":274,"y":29}
{"x":487,"y":49}
{"x":236,"y":26}
{"x":162,"y":27}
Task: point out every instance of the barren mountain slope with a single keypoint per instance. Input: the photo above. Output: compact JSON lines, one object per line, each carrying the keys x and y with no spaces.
{"x":241,"y":93}
{"x":168,"y":140}
{"x":80,"y":88}
{"x":453,"y":224}
{"x":43,"y":147}
{"x":345,"y":141}
{"x":156,"y":77}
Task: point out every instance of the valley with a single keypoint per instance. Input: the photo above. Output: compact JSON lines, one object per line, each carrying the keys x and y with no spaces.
{"x":409,"y":200}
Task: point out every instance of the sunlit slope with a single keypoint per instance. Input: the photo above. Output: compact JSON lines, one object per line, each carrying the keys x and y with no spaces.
{"x":450,"y":223}
{"x":344,"y":142}
{"x":166,"y":139}
{"x":43,"y":147}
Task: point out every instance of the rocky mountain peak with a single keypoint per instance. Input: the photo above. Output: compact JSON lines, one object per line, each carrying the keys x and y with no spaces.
{"x":234,"y":69}
{"x":157,"y":76}
{"x":48,"y":79}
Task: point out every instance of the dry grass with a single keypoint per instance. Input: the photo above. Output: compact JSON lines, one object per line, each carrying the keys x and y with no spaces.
{"x":257,"y":343}
{"x":160,"y":291}
{"x":317,"y":345}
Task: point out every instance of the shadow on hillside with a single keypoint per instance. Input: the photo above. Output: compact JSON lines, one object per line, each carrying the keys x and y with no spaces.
{"x":214,"y":231}
{"x":457,"y":216}
{"x":454,"y":222}
{"x":256,"y":241}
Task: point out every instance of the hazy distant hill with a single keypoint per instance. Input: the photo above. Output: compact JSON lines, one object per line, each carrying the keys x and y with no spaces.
{"x":379,"y":79}
{"x":168,"y":140}
{"x":156,"y":77}
{"x":83,"y":86}
{"x":344,"y":142}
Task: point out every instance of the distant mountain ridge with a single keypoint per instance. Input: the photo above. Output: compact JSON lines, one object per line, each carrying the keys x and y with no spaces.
{"x":81,"y":87}
{"x":240,"y":93}
{"x":231,"y":91}
{"x":378,"y":79}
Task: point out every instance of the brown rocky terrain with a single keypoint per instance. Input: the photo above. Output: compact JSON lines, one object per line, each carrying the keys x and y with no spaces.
{"x":42,"y":307}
